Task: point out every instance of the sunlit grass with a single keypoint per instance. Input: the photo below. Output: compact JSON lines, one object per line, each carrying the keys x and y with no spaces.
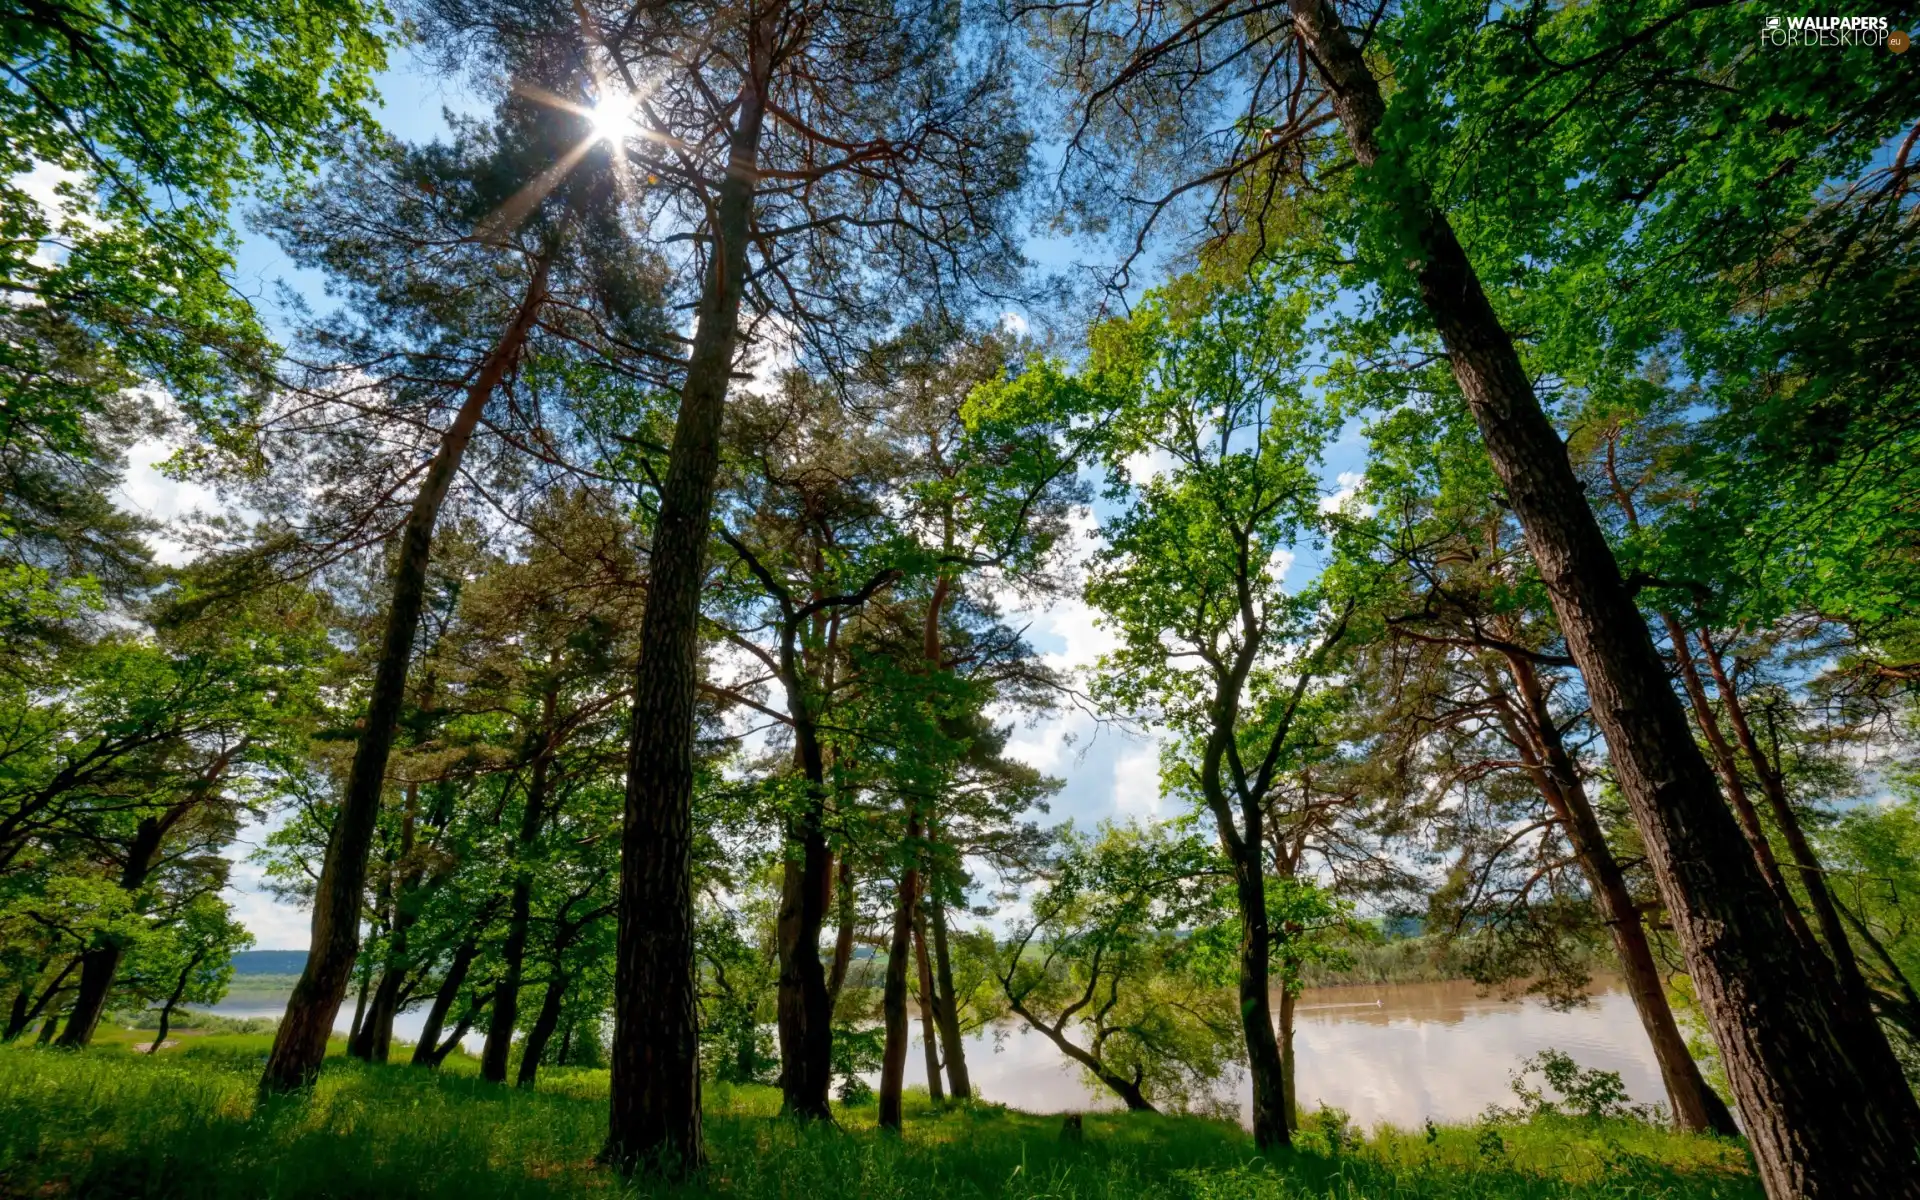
{"x":184,"y":1123}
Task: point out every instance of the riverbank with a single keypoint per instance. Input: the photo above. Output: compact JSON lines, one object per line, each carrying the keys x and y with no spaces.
{"x":184,"y":1123}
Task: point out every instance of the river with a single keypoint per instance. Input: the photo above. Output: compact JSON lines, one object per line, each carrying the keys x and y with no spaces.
{"x":1395,"y":1055}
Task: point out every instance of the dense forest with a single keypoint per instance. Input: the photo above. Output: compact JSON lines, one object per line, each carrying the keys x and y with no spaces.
{"x":612,"y":612}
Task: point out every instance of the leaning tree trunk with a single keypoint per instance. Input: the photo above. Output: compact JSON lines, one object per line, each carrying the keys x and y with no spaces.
{"x":1873,"y":1044}
{"x":513,"y":954}
{"x":301,"y":1041}
{"x":929,"y":1026}
{"x":653,"y":1118}
{"x":1728,"y":768}
{"x":893,"y":995}
{"x":1697,"y":1108}
{"x":544,"y":1023}
{"x":444,"y":1000}
{"x":947,"y":1006}
{"x":102,"y":962}
{"x":1816,"y":1131}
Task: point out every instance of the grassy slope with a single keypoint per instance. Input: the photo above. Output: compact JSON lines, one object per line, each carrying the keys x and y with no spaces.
{"x":107,"y":1122}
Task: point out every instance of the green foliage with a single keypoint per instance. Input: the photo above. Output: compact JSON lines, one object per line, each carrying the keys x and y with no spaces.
{"x":1567,"y":1088}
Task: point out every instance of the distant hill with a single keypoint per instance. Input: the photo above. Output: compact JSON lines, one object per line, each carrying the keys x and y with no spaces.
{"x":269,"y":962}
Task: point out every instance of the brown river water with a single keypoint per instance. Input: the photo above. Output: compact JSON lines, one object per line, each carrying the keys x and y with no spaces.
{"x":1396,"y":1055}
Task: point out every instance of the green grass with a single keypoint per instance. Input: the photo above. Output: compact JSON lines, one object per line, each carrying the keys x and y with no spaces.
{"x":109,"y":1123}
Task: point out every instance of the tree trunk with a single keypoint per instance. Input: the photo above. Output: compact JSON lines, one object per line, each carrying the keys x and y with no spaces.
{"x":444,"y":1000}
{"x":46,"y":1031}
{"x":1264,"y":1064}
{"x":17,"y":1018}
{"x":947,"y":1005}
{"x":1287,"y":1001}
{"x":544,"y":1024}
{"x":1873,"y":1045}
{"x":843,"y":903}
{"x":173,"y":1001}
{"x":359,"y":1016}
{"x":1729,"y":771}
{"x":1127,"y":1089}
{"x":300,"y":1044}
{"x":24,"y":1017}
{"x":804,"y":1011}
{"x":1815,"y":1131}
{"x":438,"y":1054}
{"x":506,"y":997}
{"x":1697,"y":1108}
{"x":102,"y":962}
{"x":97,"y":970}
{"x":893,"y":996}
{"x":929,"y":1028}
{"x":654,"y":1110}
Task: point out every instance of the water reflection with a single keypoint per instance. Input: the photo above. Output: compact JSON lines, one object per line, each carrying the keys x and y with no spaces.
{"x":1394,"y":1055}
{"x":1388,"y":1055}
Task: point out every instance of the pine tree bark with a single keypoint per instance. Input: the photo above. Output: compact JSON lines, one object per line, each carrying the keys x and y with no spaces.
{"x":947,"y":1005}
{"x":1696,"y":1107}
{"x":1815,"y":1131}
{"x":300,"y":1044}
{"x":654,"y":1113}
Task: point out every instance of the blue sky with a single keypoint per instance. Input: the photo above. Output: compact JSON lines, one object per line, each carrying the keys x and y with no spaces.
{"x":1107,"y":773}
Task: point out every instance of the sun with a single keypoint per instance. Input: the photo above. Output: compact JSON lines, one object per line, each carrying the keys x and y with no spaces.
{"x":613,"y":117}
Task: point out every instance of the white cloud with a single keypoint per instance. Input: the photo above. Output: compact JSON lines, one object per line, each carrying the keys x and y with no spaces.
{"x":275,"y":925}
{"x":1347,"y":495}
{"x":1014,"y":323}
{"x":148,"y":492}
{"x":1136,"y":781}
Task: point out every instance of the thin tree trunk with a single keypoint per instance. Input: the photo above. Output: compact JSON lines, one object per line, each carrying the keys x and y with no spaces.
{"x":893,"y":996}
{"x":46,"y":1031}
{"x":654,"y":1110}
{"x":1873,"y":1045}
{"x":847,"y":916}
{"x":544,"y":1023}
{"x":443,"y":1001}
{"x":1782,"y":1034}
{"x":947,"y":1005}
{"x":1697,"y":1108}
{"x":506,"y":998}
{"x":1127,"y":1089}
{"x":1728,"y":769}
{"x":26,"y":1017}
{"x":173,"y":1001}
{"x":929,"y":1027}
{"x":359,"y":1015}
{"x":300,"y":1044}
{"x":1287,"y":1001}
{"x":102,"y":962}
{"x":17,"y":1018}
